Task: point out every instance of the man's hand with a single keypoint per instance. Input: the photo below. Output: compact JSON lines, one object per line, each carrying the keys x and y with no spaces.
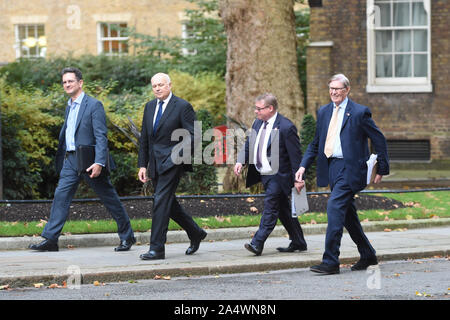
{"x":299,"y":175}
{"x":299,"y":185}
{"x":377,"y":178}
{"x":238,"y":169}
{"x":95,"y":169}
{"x":142,"y":175}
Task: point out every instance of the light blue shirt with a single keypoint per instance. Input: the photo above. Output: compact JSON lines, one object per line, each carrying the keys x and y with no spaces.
{"x":72,"y":121}
{"x":337,"y":151}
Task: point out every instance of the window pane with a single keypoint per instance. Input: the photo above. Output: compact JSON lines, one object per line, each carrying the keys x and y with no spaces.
{"x":40,"y":31}
{"x":402,"y":41}
{"x":384,"y":66}
{"x":420,"y":65}
{"x":385,"y":15}
{"x":419,"y":15}
{"x":105,"y":30}
{"x":403,"y":65}
{"x":384,"y":41}
{"x":106,"y":47}
{"x":420,"y":40}
{"x":401,"y":14}
{"x":22,"y":32}
{"x":33,"y":51}
{"x":124,"y":48}
{"x":113,"y":28}
{"x":115,"y":46}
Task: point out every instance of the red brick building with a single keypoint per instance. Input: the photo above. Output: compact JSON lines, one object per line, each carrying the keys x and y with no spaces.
{"x":396,"y":55}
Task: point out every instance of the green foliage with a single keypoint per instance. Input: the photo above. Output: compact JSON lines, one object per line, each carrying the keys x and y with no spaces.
{"x":28,"y":136}
{"x":130,"y":73}
{"x":203,"y":91}
{"x":307,"y":133}
{"x":203,"y":180}
{"x":124,"y":177}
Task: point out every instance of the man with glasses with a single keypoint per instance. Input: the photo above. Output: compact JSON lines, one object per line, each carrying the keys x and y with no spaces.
{"x":272,"y":152}
{"x":341,"y":146}
{"x":85,"y":124}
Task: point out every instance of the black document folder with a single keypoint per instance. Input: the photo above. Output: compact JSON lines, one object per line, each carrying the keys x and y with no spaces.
{"x":86,"y":158}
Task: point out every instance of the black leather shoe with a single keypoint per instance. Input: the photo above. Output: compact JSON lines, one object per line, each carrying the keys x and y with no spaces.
{"x":291,"y":248}
{"x":363,"y":264}
{"x":195,"y":243}
{"x":152,"y":255}
{"x":325,"y":269}
{"x":125,"y":245}
{"x":253,"y":249}
{"x":46,"y":245}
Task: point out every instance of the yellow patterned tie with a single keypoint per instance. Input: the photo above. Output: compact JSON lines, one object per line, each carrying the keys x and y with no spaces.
{"x":331,"y":134}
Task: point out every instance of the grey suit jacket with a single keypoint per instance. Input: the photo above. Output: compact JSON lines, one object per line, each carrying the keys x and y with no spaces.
{"x":90,"y":129}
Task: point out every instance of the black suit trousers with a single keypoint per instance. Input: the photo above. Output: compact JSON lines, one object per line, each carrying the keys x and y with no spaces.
{"x":166,"y":206}
{"x":277,"y":206}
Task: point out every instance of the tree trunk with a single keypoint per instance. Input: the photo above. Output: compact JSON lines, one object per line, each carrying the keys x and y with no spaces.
{"x":261,"y":57}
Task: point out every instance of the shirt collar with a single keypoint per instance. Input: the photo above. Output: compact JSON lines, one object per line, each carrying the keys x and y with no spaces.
{"x":343,"y":105}
{"x":166,"y":100}
{"x":271,"y":120}
{"x":77,"y":100}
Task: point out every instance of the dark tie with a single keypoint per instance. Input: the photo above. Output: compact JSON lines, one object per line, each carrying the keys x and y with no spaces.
{"x":260,"y":146}
{"x":158,"y":117}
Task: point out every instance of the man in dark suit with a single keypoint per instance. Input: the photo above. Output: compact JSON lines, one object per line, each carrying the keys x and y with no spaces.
{"x":158,"y":160}
{"x":85,"y":124}
{"x":273,"y":153}
{"x":341,"y":147}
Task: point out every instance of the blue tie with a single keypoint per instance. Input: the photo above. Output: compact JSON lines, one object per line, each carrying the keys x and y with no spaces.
{"x":158,"y":117}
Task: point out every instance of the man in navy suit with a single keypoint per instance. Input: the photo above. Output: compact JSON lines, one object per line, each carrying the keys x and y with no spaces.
{"x":85,"y":124}
{"x":158,"y":161}
{"x":341,"y":147}
{"x":273,"y":153}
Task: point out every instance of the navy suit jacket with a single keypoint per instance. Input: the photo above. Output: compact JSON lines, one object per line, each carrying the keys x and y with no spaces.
{"x":357,"y":127}
{"x":90,"y":129}
{"x":283,"y":152}
{"x":155,"y":151}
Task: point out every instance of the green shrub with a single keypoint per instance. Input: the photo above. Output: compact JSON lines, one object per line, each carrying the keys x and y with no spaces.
{"x":203,"y":180}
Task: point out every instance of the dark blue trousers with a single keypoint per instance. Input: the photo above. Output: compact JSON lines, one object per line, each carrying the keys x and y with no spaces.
{"x":277,"y":205}
{"x":341,"y":212}
{"x":67,"y":186}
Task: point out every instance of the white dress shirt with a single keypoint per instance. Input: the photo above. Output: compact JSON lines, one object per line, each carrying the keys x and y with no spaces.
{"x":166,"y":101}
{"x":72,"y":121}
{"x":337,"y":151}
{"x":266,"y":168}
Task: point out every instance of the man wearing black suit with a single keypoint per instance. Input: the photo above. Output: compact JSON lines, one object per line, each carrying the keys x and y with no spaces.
{"x":163,"y":116}
{"x":341,"y":146}
{"x":273,"y":153}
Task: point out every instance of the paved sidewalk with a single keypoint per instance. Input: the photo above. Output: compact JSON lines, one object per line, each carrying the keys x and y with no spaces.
{"x":221,"y":252}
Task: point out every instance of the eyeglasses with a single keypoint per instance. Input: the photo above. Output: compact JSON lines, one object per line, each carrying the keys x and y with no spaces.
{"x":259,"y":109}
{"x":68,"y":82}
{"x":337,"y":89}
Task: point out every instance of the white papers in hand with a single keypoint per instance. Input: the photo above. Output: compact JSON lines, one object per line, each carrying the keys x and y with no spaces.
{"x":370,"y":167}
{"x":299,"y":202}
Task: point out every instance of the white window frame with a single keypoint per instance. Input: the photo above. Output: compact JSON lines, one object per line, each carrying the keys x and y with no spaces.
{"x":19,"y":43}
{"x":399,"y":84}
{"x":101,"y":39}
